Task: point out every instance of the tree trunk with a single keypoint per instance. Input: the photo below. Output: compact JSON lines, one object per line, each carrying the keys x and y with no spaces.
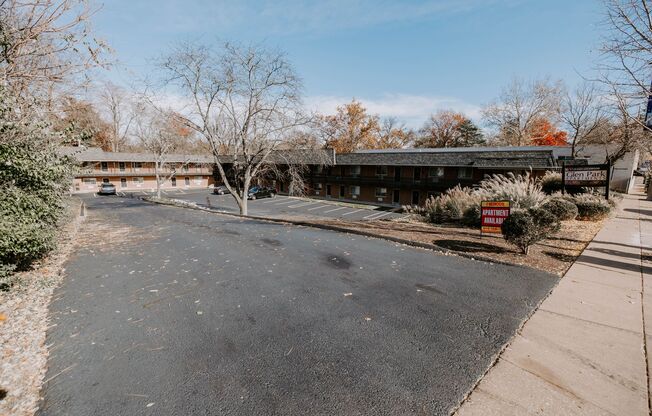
{"x":158,"y":181}
{"x":243,"y":206}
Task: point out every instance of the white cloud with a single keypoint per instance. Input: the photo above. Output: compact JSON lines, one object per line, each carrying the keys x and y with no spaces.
{"x":413,"y":110}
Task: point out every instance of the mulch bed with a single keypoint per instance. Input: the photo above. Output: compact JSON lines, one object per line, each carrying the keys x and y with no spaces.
{"x":554,"y":255}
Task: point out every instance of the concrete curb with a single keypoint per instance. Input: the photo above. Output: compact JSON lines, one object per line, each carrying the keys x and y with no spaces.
{"x":426,"y":246}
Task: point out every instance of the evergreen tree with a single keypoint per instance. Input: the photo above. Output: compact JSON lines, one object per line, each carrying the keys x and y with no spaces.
{"x":469,"y":135}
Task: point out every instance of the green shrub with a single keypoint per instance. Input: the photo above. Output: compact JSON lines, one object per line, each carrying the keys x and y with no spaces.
{"x":449,"y":206}
{"x":592,"y":211}
{"x":561,"y":208}
{"x":591,"y":207}
{"x":33,"y":182}
{"x":551,"y":182}
{"x":472,"y":216}
{"x":526,"y":227}
{"x":522,"y":190}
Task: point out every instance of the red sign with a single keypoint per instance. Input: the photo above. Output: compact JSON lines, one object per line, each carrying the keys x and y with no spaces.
{"x":492,"y":215}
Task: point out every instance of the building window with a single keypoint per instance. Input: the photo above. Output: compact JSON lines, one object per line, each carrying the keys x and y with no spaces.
{"x":464,"y":173}
{"x":138,"y":181}
{"x":354,"y":170}
{"x":318,"y":186}
{"x":417,"y":173}
{"x":104,"y":166}
{"x":123,"y":182}
{"x":137,"y":165}
{"x":185,"y":168}
{"x":381,"y":170}
{"x":381,"y":192}
{"x":89,"y":181}
{"x":121,"y":166}
{"x":435,"y":172}
{"x":198,"y":180}
{"x":105,"y":180}
{"x":319,"y":169}
{"x":355,"y":191}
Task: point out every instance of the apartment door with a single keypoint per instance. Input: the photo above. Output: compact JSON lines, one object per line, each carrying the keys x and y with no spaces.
{"x":342,"y":191}
{"x":186,"y":181}
{"x":328,"y":190}
{"x":174,"y":181}
{"x":417,"y":174}
{"x":397,"y":173}
{"x":123,"y":182}
{"x":415,"y":197}
{"x":396,"y":196}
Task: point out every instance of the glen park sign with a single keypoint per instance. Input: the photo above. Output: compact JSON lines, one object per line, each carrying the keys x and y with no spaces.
{"x":492,"y":215}
{"x":586,"y":176}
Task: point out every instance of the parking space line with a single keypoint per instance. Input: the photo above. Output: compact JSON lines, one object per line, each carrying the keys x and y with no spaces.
{"x":318,"y":206}
{"x":352,"y":212}
{"x":382,"y":215}
{"x":303,"y":204}
{"x":333,"y":210}
{"x":271,"y":200}
{"x":369,"y":217}
{"x":281,"y":202}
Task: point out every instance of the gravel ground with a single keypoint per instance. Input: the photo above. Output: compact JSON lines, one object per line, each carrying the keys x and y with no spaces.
{"x":24,"y":321}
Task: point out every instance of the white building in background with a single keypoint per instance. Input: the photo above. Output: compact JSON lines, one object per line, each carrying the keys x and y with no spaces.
{"x":622,"y":172}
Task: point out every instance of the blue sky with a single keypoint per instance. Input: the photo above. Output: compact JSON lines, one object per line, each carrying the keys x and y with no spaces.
{"x":401,"y":58}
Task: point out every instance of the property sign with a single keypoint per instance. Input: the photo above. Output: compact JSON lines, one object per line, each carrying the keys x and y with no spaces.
{"x":586,"y":175}
{"x":492,"y":215}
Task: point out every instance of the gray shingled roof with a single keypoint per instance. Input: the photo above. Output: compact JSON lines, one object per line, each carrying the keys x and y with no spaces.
{"x":497,"y":157}
{"x":481,"y":157}
{"x":95,"y":154}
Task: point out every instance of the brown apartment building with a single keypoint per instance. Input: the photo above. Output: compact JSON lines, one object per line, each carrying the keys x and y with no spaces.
{"x":135,"y":171}
{"x":409,"y":176}
{"x":385,"y":177}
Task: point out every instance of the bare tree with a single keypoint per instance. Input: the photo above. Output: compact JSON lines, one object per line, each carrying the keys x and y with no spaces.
{"x":520,"y":105}
{"x":626,"y":69}
{"x":119,"y":109}
{"x":160,"y":133}
{"x":244,"y":101}
{"x":583,"y":114}
{"x":43,"y":44}
{"x":620,"y":131}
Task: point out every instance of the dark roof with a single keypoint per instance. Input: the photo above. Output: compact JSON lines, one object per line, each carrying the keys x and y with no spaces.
{"x":95,"y":154}
{"x":487,"y":157}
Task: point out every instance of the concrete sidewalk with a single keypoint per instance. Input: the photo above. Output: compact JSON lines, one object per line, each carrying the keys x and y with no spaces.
{"x":584,"y":351}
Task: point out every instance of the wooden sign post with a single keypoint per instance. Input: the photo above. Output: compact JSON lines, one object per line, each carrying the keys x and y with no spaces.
{"x":586,"y":176}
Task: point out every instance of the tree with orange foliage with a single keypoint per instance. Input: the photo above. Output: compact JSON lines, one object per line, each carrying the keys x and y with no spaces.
{"x":448,"y":128}
{"x":81,"y":121}
{"x":543,"y":133}
{"x":350,"y":129}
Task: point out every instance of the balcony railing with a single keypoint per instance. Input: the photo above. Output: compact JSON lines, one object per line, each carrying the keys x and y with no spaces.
{"x":142,"y":171}
{"x":392,"y":182}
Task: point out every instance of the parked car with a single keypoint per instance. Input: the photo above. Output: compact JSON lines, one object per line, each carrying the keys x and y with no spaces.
{"x":221,"y":190}
{"x":258,"y":192}
{"x":106,"y":189}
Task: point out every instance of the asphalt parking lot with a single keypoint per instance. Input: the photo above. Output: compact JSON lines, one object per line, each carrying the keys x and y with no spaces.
{"x":171,"y":311}
{"x":283,"y":206}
